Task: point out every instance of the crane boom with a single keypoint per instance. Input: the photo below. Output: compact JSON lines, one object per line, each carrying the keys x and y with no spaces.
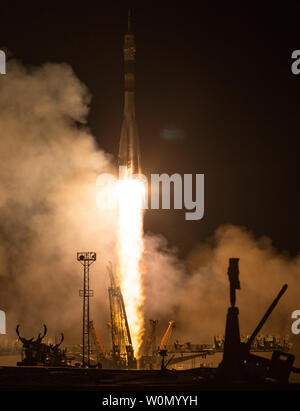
{"x":97,"y":338}
{"x":165,"y":339}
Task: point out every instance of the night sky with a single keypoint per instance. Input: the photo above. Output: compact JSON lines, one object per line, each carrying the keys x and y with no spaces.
{"x":219,"y":79}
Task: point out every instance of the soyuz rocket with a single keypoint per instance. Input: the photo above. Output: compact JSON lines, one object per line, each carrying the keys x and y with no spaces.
{"x":129,"y":150}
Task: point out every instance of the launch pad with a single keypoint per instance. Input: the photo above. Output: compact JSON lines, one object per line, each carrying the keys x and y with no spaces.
{"x":240,"y":369}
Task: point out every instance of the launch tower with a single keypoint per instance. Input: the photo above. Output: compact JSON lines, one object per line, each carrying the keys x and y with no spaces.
{"x":122,"y":353}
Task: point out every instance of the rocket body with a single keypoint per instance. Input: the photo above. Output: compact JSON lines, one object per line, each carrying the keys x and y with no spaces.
{"x":129,"y":150}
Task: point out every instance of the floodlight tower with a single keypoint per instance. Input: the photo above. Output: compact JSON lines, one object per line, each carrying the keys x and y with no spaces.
{"x":86,"y":259}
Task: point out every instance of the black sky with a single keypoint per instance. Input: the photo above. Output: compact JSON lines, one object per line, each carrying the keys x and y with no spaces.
{"x":221,"y":75}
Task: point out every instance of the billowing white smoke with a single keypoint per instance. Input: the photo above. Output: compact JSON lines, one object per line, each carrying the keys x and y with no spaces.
{"x":49,"y":165}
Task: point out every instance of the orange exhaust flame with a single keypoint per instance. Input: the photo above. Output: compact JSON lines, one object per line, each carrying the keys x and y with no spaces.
{"x":130,"y":196}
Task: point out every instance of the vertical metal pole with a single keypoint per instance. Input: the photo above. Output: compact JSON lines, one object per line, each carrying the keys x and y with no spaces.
{"x":88,"y":314}
{"x":86,"y":317}
{"x":83,"y":320}
{"x":86,"y":259}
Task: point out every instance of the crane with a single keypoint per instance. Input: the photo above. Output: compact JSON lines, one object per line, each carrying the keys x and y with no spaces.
{"x":165,"y":339}
{"x":164,"y":342}
{"x":97,"y":339}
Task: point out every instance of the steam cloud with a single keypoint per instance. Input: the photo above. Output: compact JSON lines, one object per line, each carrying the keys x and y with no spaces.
{"x":49,"y":165}
{"x":196,"y":294}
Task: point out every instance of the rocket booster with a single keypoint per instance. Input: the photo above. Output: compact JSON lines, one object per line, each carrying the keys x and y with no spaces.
{"x":129,"y":150}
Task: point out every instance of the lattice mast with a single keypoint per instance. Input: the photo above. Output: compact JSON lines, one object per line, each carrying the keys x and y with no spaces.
{"x":86,"y":259}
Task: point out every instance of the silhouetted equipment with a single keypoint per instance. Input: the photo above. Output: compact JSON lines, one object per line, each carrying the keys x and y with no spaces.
{"x":151,"y":338}
{"x":262,"y":343}
{"x":26,"y":341}
{"x":176,"y":360}
{"x":86,"y":258}
{"x":233,"y":275}
{"x":37,"y":353}
{"x":122,"y":355}
{"x":266,"y":316}
{"x":149,"y":357}
{"x":232,"y":331}
{"x":238,"y":363}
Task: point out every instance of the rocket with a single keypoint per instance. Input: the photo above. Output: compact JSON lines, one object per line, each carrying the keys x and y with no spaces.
{"x":129,"y":150}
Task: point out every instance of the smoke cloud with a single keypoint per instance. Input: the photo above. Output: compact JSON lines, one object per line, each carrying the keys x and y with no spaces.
{"x":48,"y":212}
{"x":49,"y":165}
{"x":196,"y":294}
